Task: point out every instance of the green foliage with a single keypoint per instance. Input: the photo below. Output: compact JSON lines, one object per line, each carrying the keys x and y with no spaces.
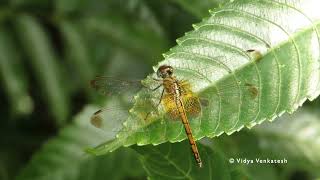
{"x":43,"y":61}
{"x":14,"y":82}
{"x":299,"y":141}
{"x":172,"y":161}
{"x":253,"y":61}
{"x":62,"y":157}
{"x":242,"y":90}
{"x":198,"y":8}
{"x":76,"y":51}
{"x":291,"y":137}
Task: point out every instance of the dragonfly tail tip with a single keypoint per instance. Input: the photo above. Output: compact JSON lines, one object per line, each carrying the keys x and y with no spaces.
{"x":200,"y":164}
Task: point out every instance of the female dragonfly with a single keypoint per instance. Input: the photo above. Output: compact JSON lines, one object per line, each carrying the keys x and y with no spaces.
{"x":177,"y":98}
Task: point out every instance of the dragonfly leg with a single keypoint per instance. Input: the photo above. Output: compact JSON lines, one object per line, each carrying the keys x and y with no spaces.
{"x":157,"y":87}
{"x":158,"y":80}
{"x":157,"y":104}
{"x":155,"y":79}
{"x":160,"y":98}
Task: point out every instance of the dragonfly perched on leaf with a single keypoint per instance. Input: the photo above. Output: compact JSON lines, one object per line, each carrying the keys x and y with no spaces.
{"x":176,"y":97}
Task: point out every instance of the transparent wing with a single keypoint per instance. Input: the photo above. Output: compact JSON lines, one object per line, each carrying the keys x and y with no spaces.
{"x":113,"y":86}
{"x":116,"y":112}
{"x":111,"y":119}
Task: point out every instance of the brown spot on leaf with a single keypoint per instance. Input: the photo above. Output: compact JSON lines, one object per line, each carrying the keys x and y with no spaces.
{"x":254,"y":91}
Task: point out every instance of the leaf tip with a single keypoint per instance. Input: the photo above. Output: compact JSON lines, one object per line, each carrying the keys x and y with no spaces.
{"x":195,"y":26}
{"x":165,"y":55}
{"x":212,"y":12}
{"x":179,"y":41}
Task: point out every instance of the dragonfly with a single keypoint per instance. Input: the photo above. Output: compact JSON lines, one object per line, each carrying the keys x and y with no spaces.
{"x":178,"y":99}
{"x":180,"y":102}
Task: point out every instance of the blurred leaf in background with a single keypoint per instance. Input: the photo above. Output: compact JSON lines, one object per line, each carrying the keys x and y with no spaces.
{"x":63,"y":156}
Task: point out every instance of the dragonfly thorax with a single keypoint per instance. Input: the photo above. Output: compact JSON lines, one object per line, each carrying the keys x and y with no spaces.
{"x":171,"y":86}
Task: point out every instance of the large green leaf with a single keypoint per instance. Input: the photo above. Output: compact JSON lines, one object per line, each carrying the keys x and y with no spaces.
{"x":123,"y":164}
{"x":243,"y":88}
{"x":174,"y":161}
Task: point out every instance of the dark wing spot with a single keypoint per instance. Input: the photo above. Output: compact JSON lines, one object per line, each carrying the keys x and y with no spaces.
{"x":93,"y":84}
{"x":96,"y":113}
{"x":96,"y":121}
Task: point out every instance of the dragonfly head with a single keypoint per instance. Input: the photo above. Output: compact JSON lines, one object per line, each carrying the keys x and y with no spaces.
{"x":164,"y":71}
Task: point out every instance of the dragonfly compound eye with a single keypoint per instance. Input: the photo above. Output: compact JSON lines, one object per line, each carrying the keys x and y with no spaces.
{"x":164,"y":71}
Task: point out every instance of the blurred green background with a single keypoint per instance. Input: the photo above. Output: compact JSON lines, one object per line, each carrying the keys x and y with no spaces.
{"x":49,"y":51}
